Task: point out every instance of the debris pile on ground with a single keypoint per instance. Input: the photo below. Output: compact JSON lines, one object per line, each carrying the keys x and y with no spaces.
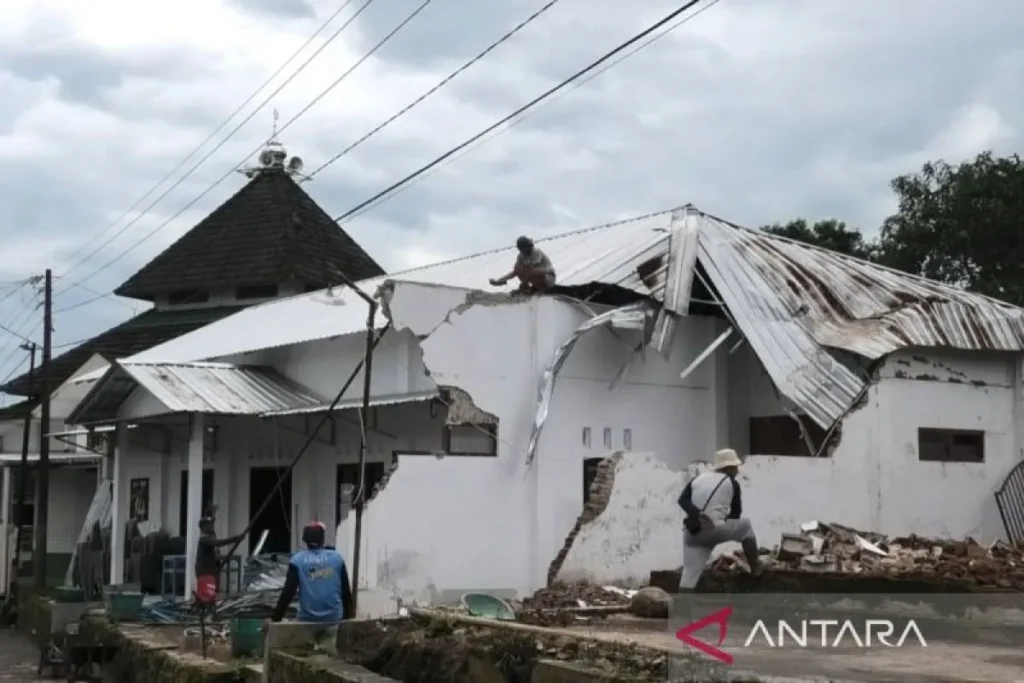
{"x":577,"y":594}
{"x":820,"y":547}
{"x":445,"y":650}
{"x":651,"y":602}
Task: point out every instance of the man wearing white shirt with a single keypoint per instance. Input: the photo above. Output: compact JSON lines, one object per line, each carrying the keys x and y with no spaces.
{"x":714,"y":514}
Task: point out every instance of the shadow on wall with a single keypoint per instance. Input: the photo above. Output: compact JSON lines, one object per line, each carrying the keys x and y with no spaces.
{"x":631,"y":526}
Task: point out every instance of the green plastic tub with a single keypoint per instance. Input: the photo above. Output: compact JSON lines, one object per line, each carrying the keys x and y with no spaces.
{"x":122,"y":604}
{"x":246,"y":637}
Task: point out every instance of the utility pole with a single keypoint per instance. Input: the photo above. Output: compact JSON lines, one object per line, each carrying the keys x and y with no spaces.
{"x":26,"y":436}
{"x":43,"y":479}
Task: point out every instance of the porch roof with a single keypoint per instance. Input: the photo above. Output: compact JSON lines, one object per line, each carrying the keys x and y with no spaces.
{"x":214,"y":388}
{"x":357,"y":402}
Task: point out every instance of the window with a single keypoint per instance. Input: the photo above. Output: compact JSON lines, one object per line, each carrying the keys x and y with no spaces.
{"x":590,"y":468}
{"x":256,"y":292}
{"x":950,"y":445}
{"x":470,"y":439}
{"x":187,"y":296}
{"x":348,"y":474}
{"x":96,"y":442}
{"x":781,"y":435}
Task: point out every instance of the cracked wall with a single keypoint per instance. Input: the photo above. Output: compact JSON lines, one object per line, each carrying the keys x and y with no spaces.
{"x":636,"y":529}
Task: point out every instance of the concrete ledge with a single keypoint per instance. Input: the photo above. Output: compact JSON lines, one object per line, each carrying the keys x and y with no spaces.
{"x":289,"y":668}
{"x":553,"y":671}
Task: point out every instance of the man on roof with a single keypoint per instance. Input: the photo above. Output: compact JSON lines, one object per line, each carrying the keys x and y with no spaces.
{"x":533,"y":268}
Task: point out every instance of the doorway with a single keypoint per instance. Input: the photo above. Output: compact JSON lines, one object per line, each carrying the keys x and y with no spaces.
{"x":276,"y":516}
{"x":206,"y":497}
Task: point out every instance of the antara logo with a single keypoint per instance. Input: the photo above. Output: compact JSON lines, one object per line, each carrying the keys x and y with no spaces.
{"x":823,"y":633}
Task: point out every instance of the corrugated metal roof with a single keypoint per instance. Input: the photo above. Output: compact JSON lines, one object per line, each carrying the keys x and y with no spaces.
{"x":865,"y":308}
{"x":357,"y":402}
{"x":789,"y":299}
{"x":220,"y":388}
{"x":608,"y":253}
{"x":214,"y":388}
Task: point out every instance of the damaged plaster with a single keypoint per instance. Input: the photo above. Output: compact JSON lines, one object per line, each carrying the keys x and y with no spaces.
{"x":600,"y":494}
{"x":636,"y":528}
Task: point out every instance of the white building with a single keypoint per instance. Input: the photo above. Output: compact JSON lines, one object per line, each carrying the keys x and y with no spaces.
{"x":75,"y":461}
{"x":862,"y":396}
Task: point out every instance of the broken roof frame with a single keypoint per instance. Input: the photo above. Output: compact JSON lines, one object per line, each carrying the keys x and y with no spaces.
{"x":790,"y":301}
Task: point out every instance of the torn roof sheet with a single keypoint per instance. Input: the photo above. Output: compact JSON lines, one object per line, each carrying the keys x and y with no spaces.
{"x":854,"y":305}
{"x":214,"y":388}
{"x":608,"y":254}
{"x":789,"y":299}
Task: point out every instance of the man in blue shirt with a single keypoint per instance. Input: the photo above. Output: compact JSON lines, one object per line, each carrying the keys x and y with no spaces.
{"x":319,"y":576}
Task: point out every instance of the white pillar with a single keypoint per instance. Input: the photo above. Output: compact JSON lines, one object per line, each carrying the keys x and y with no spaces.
{"x":118,"y":453}
{"x":7,"y":556}
{"x":195,"y":499}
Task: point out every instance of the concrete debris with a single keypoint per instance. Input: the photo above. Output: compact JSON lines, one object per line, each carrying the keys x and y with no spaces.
{"x":651,"y":603}
{"x":835,"y":548}
{"x":577,"y":594}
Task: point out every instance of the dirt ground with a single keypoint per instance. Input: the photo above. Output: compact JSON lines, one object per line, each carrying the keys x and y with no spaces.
{"x":18,"y":658}
{"x":940,"y":662}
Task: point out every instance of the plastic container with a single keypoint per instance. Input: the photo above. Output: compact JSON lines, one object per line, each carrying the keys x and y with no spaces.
{"x":122,"y":604}
{"x":246,"y":637}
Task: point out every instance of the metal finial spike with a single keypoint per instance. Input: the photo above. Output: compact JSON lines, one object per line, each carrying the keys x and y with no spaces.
{"x":277,"y":117}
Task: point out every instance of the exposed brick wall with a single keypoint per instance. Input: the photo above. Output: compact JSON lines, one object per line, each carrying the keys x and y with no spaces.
{"x":600,"y":494}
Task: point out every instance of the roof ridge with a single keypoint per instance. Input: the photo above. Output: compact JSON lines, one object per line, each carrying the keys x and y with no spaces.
{"x":496,"y":250}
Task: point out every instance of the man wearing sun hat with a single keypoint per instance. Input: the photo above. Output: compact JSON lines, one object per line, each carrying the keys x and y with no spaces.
{"x":714,"y":515}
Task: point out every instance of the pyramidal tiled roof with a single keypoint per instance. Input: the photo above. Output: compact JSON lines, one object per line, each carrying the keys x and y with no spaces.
{"x":269,"y":232}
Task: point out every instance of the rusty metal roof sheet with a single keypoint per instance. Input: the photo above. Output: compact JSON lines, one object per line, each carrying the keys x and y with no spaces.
{"x":214,"y":388}
{"x":861,"y":307}
{"x":791,"y":301}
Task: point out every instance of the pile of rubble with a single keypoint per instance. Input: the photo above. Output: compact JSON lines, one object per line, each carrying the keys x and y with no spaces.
{"x":577,"y":594}
{"x":835,"y":548}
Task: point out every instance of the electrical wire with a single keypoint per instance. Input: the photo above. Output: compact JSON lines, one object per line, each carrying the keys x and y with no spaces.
{"x":490,"y":48}
{"x":209,"y":154}
{"x":210,"y":137}
{"x":530,"y":107}
{"x":209,"y":189}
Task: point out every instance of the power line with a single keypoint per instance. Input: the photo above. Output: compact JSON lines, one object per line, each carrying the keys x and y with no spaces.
{"x":578,"y":84}
{"x":213,"y":151}
{"x":209,"y":189}
{"x":490,"y":48}
{"x":540,"y":98}
{"x":210,"y":137}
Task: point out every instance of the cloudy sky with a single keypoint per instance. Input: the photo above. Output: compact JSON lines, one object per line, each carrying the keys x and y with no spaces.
{"x":756,"y":110}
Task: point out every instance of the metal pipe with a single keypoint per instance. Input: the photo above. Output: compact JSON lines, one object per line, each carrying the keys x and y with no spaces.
{"x":364,"y":419}
{"x":305,"y":447}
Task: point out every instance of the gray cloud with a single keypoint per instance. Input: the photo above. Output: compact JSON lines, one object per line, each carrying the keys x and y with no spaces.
{"x":757,"y":111}
{"x":292,"y":9}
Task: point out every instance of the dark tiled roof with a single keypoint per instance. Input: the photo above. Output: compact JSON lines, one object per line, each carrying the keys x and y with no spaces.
{"x":142,"y":332}
{"x":17,"y":411}
{"x":269,"y":232}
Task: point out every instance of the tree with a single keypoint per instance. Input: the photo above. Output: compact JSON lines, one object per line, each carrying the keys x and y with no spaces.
{"x":963,"y":225}
{"x":829,"y":234}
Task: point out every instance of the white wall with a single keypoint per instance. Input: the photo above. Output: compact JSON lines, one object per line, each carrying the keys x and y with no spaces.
{"x":71,"y":493}
{"x":874,"y":480}
{"x":479,"y":523}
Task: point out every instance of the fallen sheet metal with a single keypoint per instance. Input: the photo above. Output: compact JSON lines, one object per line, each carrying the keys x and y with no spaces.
{"x":637,"y":316}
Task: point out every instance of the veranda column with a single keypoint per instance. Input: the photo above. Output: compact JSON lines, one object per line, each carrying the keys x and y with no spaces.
{"x":194,"y":501}
{"x":117,"y":454}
